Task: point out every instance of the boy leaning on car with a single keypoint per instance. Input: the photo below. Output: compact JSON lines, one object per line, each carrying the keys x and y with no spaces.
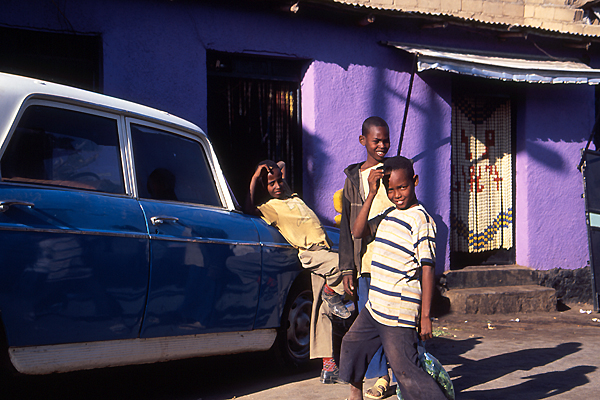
{"x":271,"y":198}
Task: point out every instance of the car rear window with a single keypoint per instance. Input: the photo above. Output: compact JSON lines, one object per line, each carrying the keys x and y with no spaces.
{"x":61,"y":147}
{"x":172,"y":167}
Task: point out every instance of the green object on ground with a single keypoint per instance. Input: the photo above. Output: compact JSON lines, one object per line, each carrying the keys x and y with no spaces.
{"x":433,"y":367}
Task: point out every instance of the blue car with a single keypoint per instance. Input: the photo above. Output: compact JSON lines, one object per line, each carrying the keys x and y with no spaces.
{"x":120,"y":242}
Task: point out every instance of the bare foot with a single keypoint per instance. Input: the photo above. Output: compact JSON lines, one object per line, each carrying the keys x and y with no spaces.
{"x":356,"y":389}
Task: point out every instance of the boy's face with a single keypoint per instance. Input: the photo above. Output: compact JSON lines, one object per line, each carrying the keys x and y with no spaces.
{"x":275,"y":185}
{"x":401,"y":189}
{"x":377,"y":143}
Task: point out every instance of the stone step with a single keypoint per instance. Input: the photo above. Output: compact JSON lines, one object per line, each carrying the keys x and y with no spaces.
{"x":490,"y":275}
{"x":501,"y":299}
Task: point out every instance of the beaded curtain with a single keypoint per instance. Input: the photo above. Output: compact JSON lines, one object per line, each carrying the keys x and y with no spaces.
{"x":481,"y":218}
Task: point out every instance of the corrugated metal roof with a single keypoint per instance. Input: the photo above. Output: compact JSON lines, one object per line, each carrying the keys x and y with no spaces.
{"x":547,"y":16}
{"x":500,"y":66}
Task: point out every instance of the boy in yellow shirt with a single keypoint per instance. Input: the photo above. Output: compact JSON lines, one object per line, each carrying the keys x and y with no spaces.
{"x":300,"y":226}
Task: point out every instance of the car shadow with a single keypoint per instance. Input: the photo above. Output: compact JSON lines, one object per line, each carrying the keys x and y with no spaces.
{"x":208,"y":378}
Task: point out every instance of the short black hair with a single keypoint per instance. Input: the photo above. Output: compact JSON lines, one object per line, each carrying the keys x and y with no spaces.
{"x":371,"y":122}
{"x":262,"y":194}
{"x":268,"y":163}
{"x":396,"y":163}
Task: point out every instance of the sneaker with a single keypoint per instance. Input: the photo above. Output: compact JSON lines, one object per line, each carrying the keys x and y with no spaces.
{"x":336,"y":305}
{"x":328,"y":377}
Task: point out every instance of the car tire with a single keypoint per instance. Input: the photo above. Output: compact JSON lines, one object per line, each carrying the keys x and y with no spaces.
{"x":292,"y":346}
{"x":6,"y":368}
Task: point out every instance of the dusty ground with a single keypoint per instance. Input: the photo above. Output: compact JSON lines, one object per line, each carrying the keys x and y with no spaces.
{"x":521,"y":356}
{"x":518,"y":356}
{"x":526,"y":356}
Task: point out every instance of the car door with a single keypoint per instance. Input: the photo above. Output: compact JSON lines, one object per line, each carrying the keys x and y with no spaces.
{"x":205,"y":259}
{"x":73,"y":241}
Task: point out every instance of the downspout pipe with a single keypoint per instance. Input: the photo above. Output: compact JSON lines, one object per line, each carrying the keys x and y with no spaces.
{"x":407,"y":103}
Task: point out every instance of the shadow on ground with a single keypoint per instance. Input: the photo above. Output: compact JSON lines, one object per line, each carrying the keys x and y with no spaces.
{"x":467,"y":373}
{"x":210,"y":378}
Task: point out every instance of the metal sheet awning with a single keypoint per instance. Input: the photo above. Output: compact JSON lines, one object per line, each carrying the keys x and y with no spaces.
{"x":500,"y":66}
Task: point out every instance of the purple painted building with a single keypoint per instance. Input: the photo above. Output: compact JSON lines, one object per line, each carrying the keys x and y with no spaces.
{"x":496,"y":158}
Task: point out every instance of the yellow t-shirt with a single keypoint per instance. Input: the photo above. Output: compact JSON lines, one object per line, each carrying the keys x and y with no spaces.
{"x":298,"y":224}
{"x":380,"y":203}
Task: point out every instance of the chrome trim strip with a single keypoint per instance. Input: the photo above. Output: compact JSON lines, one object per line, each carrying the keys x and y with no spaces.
{"x":75,"y":232}
{"x":37,"y":360}
{"x":144,"y":236}
{"x":277,"y":245}
{"x":201,"y":240}
{"x":127,"y":157}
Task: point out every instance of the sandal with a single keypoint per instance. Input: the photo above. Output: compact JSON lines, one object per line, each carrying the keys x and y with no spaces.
{"x":378,"y":390}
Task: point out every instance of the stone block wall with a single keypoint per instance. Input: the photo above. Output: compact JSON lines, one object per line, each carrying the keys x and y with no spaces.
{"x":554,"y":15}
{"x":571,"y":285}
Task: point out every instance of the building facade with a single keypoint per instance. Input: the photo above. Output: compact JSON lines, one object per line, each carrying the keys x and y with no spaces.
{"x":496,"y":150}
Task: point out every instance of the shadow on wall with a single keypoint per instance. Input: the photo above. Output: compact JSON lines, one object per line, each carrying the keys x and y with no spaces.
{"x":441,"y":241}
{"x":545,"y":156}
{"x":426,"y":133}
{"x":383,"y":101}
{"x":316,"y":178}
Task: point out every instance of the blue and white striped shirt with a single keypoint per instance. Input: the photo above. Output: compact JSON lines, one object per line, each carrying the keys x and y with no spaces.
{"x":404,"y":243}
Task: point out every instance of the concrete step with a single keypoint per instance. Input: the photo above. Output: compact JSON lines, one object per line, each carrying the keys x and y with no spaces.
{"x":490,"y":275}
{"x":501,"y":299}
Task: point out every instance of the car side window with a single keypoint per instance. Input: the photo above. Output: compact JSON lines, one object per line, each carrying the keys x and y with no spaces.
{"x":60,"y":147}
{"x":172,"y":167}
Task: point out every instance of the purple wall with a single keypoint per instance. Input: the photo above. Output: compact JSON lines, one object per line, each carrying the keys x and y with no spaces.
{"x":154,"y":53}
{"x":553,"y":125}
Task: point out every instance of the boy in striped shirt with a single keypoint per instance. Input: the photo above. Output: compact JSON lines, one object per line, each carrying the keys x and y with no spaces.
{"x":402,"y":282}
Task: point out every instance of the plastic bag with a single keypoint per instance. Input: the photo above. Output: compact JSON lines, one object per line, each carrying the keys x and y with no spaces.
{"x":433,"y":367}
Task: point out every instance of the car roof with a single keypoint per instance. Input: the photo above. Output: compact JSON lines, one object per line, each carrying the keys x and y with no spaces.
{"x":15,"y":89}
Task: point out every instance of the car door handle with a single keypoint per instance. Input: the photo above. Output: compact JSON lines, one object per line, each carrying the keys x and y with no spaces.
{"x":5,"y":205}
{"x":162,"y":219}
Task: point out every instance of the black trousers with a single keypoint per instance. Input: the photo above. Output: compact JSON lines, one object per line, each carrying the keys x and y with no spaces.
{"x":400,"y":347}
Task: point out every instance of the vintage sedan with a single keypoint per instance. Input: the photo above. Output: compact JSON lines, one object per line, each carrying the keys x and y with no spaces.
{"x":120,"y":242}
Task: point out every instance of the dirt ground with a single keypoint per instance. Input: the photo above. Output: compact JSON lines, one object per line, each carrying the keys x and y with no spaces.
{"x":526,"y":356}
{"x":550,"y":355}
{"x":575,"y":315}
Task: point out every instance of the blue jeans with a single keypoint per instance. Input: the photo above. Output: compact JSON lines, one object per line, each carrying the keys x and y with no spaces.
{"x":378,"y":366}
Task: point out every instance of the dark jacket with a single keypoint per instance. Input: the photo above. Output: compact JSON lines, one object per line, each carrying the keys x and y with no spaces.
{"x":352,"y":201}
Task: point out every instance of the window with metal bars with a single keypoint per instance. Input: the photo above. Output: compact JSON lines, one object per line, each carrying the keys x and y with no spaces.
{"x":253,"y":115}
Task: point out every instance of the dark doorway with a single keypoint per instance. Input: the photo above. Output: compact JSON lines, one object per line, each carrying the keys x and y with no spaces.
{"x":591,"y":181}
{"x":70,"y":59}
{"x":254,"y":114}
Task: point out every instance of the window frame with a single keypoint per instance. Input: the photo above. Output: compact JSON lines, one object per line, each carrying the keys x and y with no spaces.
{"x":50,"y":103}
{"x":217,"y":176}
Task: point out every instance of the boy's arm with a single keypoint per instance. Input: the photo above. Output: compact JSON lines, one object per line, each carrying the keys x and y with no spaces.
{"x":427,"y":287}
{"x":427,"y":251}
{"x":250,"y":204}
{"x":346,"y":252}
{"x":360,"y":229}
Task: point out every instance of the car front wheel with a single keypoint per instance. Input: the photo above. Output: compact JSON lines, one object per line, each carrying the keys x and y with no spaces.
{"x":293,"y":341}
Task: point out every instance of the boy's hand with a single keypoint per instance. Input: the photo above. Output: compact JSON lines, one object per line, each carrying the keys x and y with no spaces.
{"x":374,"y":177}
{"x":262,"y":170}
{"x":426,"y":331}
{"x":261,"y":174}
{"x":348,"y":284}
